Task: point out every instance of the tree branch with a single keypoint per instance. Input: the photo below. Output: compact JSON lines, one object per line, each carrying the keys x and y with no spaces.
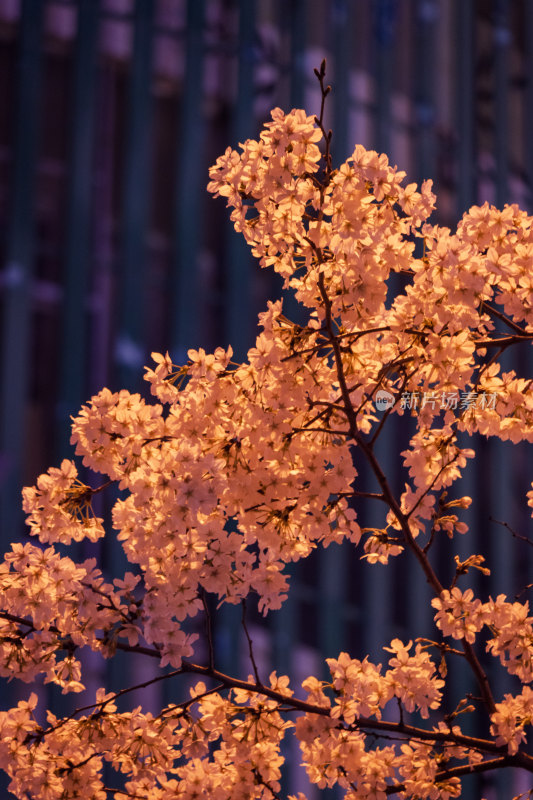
{"x":403,"y":520}
{"x":258,"y":680}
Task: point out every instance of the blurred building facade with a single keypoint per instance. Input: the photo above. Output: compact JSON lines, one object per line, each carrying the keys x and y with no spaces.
{"x":110,"y":247}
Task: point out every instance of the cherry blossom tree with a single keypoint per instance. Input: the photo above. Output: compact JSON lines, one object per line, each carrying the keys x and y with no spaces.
{"x":235,"y":471}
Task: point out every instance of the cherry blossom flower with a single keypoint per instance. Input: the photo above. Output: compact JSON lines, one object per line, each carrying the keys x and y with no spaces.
{"x":232,"y":472}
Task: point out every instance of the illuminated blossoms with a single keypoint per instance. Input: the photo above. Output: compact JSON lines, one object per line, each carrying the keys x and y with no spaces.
{"x":236,"y":470}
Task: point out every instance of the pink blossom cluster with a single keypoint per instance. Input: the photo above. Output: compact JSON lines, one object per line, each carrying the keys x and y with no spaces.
{"x":236,"y":470}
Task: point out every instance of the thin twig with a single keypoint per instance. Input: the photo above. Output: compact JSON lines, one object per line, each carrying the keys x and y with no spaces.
{"x":208,"y":630}
{"x":512,"y":532}
{"x":258,"y":680}
{"x":498,"y":314}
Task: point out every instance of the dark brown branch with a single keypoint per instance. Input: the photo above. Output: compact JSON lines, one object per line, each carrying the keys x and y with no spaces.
{"x":498,"y":314}
{"x":258,"y":680}
{"x":290,"y":704}
{"x":127,"y":648}
{"x":369,"y":495}
{"x":208,"y":629}
{"x":403,"y":520}
{"x":325,"y":90}
{"x":364,"y":724}
{"x":466,"y":769}
{"x":504,"y":341}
